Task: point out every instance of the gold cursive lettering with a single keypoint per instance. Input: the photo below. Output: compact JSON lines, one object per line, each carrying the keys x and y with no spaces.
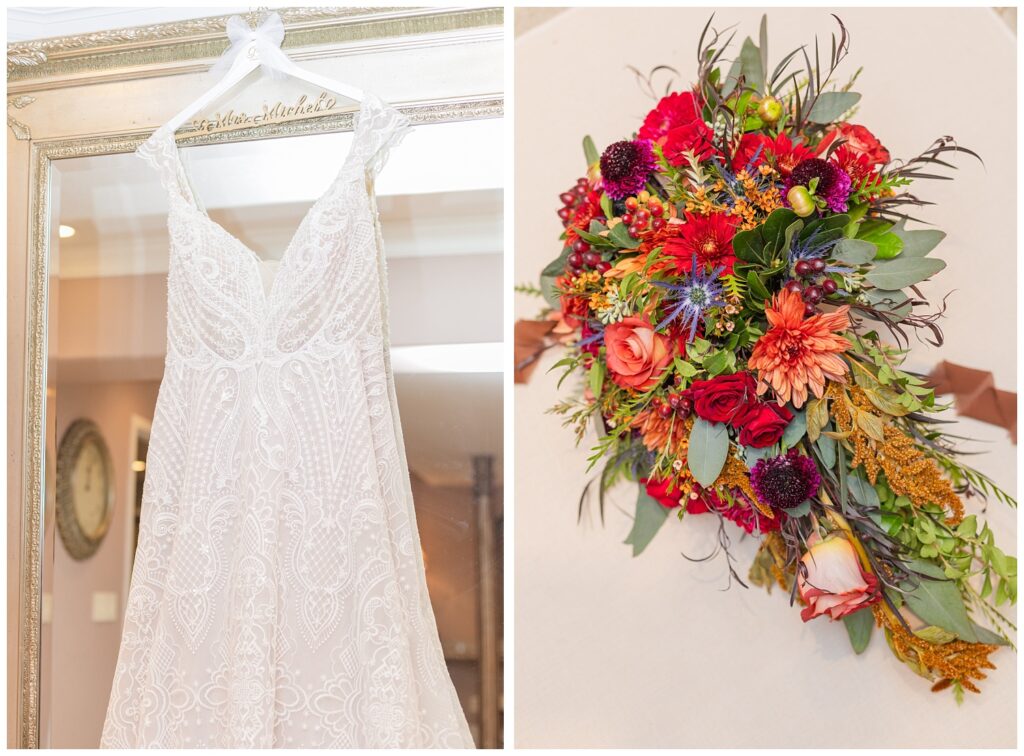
{"x":276,"y":113}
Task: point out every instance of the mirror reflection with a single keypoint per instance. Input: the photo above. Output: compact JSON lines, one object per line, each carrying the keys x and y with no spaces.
{"x":442,"y":229}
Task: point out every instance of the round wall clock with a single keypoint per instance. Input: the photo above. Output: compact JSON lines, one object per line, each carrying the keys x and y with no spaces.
{"x":85,"y":489}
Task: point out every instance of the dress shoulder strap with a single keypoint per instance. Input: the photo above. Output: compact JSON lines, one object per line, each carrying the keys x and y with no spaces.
{"x":161,"y":153}
{"x":380,"y":128}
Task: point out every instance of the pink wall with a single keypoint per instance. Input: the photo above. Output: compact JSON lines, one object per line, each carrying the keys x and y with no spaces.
{"x":84,"y":653}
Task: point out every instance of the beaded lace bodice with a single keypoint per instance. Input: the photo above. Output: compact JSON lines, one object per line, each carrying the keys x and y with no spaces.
{"x":278,"y":597}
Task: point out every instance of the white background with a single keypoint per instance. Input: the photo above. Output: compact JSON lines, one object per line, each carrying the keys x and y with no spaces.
{"x":648,"y":652}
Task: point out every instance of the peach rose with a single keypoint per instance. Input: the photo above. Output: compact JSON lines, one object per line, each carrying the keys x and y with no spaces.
{"x":834,"y":582}
{"x":636,"y":354}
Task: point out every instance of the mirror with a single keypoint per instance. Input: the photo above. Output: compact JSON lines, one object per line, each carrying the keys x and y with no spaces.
{"x":441,"y":219}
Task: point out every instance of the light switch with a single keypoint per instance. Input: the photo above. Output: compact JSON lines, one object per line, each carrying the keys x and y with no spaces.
{"x":104,"y":606}
{"x":47,"y":609}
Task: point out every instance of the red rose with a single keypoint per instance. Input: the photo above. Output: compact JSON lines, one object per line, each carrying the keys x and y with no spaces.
{"x":762,"y":425}
{"x":676,"y":109}
{"x":721,"y":399}
{"x":637,"y":356}
{"x":658,"y":490}
{"x":859,"y":140}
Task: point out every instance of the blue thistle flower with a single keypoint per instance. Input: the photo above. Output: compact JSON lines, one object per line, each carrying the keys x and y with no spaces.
{"x":690,"y":299}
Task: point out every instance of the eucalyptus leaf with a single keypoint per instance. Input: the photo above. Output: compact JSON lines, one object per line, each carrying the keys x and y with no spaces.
{"x":895,"y":303}
{"x":708,"y":449}
{"x":750,"y":64}
{"x":903,"y":271}
{"x":550,"y":292}
{"x":650,"y":516}
{"x":917,"y":243}
{"x":859,"y":626}
{"x":590,"y":151}
{"x":795,"y":430}
{"x":987,"y":636}
{"x":861,"y":490}
{"x":827,"y":450}
{"x":830,"y":106}
{"x":800,"y":509}
{"x":854,"y":251}
{"x":557,"y":266}
{"x":751,"y":454}
{"x":938,"y":601}
{"x":732,"y":78}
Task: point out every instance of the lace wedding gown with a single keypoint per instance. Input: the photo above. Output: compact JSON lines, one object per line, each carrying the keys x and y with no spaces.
{"x":278,"y":596}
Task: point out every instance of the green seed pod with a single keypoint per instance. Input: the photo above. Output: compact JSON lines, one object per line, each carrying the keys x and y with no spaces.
{"x":801,"y":201}
{"x":770,"y":110}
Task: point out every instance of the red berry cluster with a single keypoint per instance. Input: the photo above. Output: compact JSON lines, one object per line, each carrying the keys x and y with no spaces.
{"x":677,"y":404}
{"x":642,"y":212}
{"x":814,"y":286}
{"x":582,"y":257}
{"x":572,"y":199}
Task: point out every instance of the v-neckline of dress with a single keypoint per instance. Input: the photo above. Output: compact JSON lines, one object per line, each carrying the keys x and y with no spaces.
{"x":254,"y":260}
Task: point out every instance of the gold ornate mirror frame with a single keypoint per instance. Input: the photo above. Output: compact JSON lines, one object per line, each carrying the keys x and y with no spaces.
{"x":104,"y":93}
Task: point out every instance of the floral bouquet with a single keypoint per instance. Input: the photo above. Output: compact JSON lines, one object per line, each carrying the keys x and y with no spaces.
{"x":736,"y":287}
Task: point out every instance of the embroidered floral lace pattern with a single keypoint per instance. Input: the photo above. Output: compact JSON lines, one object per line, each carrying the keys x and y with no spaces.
{"x":278,"y":597}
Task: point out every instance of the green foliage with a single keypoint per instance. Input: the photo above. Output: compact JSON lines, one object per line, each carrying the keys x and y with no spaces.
{"x":650,"y":516}
{"x":528,"y":289}
{"x":937,"y":600}
{"x":708,"y":449}
{"x":734,"y":287}
{"x":830,"y":106}
{"x":859,"y":626}
{"x":958,"y":554}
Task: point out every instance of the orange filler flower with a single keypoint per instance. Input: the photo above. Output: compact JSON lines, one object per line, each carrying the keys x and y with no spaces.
{"x":797,"y":353}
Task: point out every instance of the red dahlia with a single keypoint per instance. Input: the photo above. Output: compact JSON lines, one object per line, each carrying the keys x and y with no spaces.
{"x":589,"y":207}
{"x":858,"y":165}
{"x":707,"y":237}
{"x":695,"y":137}
{"x":672,"y":111}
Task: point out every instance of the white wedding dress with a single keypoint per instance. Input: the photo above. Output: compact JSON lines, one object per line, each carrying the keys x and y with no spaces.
{"x":278,"y":597}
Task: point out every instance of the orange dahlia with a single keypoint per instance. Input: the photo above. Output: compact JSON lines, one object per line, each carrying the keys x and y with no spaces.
{"x":797,"y":352}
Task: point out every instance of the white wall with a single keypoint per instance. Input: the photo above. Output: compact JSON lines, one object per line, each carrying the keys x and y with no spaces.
{"x":648,"y":652}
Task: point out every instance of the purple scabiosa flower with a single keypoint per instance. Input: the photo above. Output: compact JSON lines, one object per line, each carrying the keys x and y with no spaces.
{"x":786,"y":481}
{"x":833,"y":185}
{"x":625,"y":167}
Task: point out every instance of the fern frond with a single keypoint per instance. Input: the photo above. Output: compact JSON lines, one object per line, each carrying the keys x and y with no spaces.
{"x":734,"y":287}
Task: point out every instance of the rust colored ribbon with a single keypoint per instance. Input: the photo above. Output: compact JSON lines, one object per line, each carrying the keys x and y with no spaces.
{"x":532,"y":337}
{"x":976,"y":395}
